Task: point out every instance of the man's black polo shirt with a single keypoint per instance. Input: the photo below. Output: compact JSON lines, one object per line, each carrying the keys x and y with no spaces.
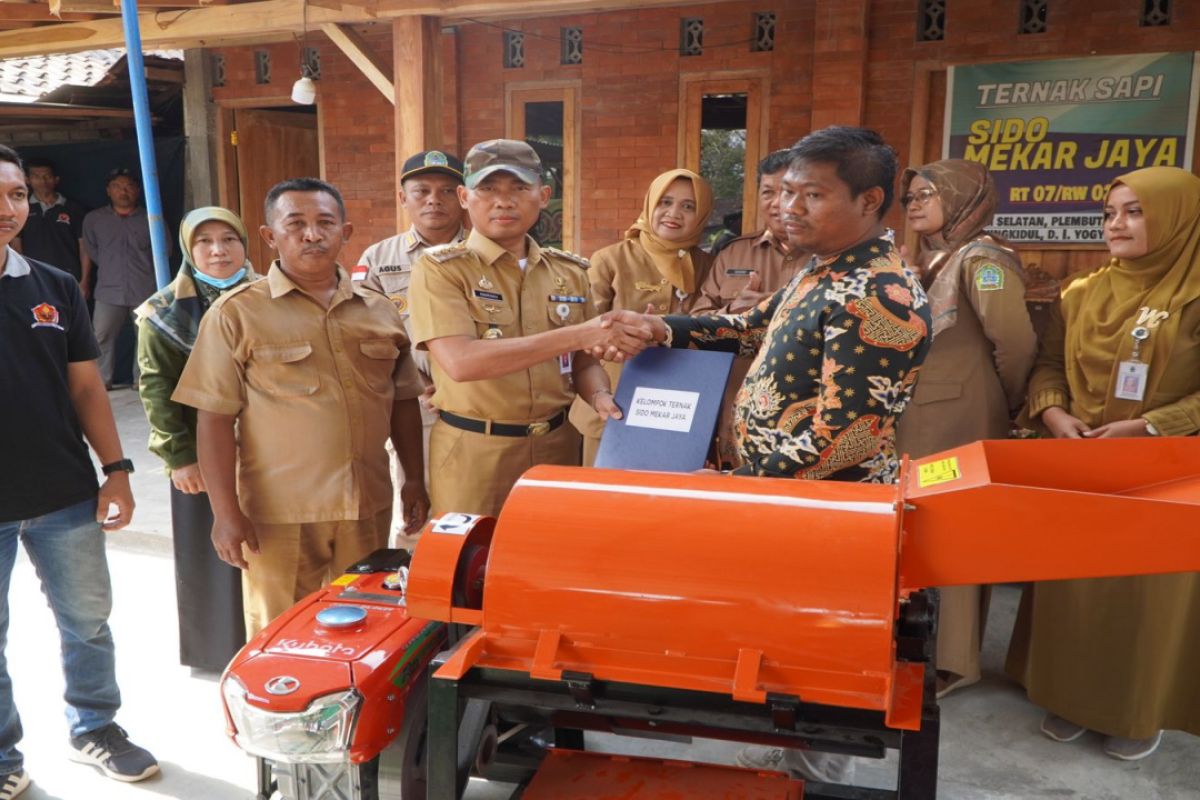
{"x":51,"y":235}
{"x":44,"y":325}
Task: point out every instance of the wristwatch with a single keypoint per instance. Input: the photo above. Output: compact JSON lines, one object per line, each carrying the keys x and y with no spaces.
{"x":124,"y":465}
{"x":1150,"y":429}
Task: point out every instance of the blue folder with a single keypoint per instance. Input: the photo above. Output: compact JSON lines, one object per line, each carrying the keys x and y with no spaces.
{"x":671,"y":400}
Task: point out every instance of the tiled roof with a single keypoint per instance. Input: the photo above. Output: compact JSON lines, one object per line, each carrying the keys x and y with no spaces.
{"x":27,"y":79}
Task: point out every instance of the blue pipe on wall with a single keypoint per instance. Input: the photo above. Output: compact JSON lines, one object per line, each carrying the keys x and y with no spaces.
{"x":145,"y":138}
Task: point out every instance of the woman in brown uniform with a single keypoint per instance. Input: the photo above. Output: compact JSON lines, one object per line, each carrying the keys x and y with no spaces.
{"x":983,"y":349}
{"x":657,"y":267}
{"x":1121,"y":357}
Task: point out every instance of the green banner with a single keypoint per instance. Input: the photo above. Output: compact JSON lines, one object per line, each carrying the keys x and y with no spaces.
{"x":1054,"y":134}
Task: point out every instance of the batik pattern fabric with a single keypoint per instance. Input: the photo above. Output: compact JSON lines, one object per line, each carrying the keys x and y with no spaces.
{"x":836,"y":355}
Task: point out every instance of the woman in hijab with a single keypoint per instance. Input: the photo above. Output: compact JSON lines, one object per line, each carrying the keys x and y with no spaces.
{"x":1121,"y":357}
{"x":984,"y":345}
{"x":657,"y":268}
{"x":209,"y":594}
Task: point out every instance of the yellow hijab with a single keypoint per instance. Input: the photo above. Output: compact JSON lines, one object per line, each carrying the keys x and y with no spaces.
{"x":1127,"y":292}
{"x":673,"y":259}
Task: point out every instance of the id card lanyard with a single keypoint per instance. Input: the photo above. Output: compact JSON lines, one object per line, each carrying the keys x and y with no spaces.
{"x":1132,"y":373}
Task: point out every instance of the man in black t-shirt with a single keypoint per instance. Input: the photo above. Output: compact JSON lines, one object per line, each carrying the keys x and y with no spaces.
{"x":52,"y":399}
{"x":53,"y":233}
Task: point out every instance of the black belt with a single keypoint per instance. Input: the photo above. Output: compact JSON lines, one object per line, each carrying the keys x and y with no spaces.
{"x":501,"y":428}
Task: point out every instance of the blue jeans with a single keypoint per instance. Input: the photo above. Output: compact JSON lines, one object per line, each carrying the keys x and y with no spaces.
{"x":67,"y":550}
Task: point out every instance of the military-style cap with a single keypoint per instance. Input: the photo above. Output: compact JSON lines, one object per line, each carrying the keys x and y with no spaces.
{"x":432,"y":161}
{"x":502,"y":155}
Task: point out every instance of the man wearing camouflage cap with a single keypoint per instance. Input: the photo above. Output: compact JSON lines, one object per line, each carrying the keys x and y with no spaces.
{"x":429,"y":194}
{"x":508,"y":326}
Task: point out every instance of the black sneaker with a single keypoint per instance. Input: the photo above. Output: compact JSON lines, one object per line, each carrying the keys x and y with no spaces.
{"x":109,"y":749}
{"x":13,"y":784}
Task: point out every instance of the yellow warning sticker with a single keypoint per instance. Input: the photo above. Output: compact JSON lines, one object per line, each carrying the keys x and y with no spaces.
{"x":346,"y":580}
{"x":941,"y":471}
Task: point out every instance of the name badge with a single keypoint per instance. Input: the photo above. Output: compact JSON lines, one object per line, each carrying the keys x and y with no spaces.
{"x":488,"y":295}
{"x":567,"y":298}
{"x":564,"y":363}
{"x":1131,"y":380}
{"x":739,"y":273}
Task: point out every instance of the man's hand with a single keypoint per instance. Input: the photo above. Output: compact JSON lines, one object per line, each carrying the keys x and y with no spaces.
{"x":1064,"y":426}
{"x":188,"y":479}
{"x":650,"y":327}
{"x":618,"y":331}
{"x":755,"y":282}
{"x":606,"y":405}
{"x":415,"y":502}
{"x":1121,"y":429}
{"x":228,"y":536}
{"x":115,"y":491}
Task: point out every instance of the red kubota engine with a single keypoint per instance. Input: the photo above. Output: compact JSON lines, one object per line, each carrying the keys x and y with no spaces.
{"x":788,"y":613}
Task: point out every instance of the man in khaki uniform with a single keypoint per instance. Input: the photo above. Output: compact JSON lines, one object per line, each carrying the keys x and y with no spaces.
{"x":429,"y":193}
{"x":299,"y":380}
{"x":751,"y":268}
{"x":747,"y":271}
{"x":507,"y":325}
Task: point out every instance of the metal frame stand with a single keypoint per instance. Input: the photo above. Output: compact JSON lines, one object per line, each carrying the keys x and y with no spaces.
{"x":579,"y":702}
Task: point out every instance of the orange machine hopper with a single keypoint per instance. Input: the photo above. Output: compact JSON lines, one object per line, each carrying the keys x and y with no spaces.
{"x":748,"y":586}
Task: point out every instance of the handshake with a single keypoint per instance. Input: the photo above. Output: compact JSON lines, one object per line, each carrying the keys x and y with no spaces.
{"x":620,"y":335}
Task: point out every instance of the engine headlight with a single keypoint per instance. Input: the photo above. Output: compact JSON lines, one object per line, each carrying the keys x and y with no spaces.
{"x":319,"y":733}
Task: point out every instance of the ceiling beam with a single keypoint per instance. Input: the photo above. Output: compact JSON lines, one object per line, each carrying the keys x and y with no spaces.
{"x":273,"y":20}
{"x":360,"y":54}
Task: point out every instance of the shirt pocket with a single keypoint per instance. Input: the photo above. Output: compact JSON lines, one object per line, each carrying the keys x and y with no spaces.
{"x":283,"y":370}
{"x":927,"y":392}
{"x":564,"y":313}
{"x":491,"y":315}
{"x":377,"y":362}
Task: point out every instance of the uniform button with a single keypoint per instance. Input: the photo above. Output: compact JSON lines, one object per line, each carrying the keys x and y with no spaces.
{"x":348,"y":383}
{"x":662,"y":306}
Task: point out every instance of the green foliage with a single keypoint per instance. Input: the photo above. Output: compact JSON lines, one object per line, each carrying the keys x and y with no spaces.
{"x":722,"y":161}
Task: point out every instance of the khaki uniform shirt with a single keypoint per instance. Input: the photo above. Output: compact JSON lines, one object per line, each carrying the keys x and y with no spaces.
{"x":478,"y":289}
{"x":976,"y":370}
{"x":312,"y":389}
{"x":725,"y":290}
{"x":388,"y":270}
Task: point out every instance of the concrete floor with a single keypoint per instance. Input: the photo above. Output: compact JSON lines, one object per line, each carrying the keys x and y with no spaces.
{"x":990,"y":749}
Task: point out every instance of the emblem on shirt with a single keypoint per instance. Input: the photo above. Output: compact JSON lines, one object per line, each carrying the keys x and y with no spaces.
{"x":401,"y":303}
{"x":45,"y":316}
{"x":359,"y":272}
{"x":989,"y":278}
{"x":64,"y":218}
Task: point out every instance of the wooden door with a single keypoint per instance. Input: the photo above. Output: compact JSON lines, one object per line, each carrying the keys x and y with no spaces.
{"x":555,"y":134}
{"x":271,"y":146}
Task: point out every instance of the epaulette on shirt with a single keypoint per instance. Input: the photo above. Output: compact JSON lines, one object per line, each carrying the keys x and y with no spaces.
{"x":577,"y":259}
{"x":444,"y":252}
{"x":235,"y":291}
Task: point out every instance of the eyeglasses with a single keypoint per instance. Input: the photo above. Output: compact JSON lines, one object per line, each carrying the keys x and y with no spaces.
{"x":922,"y":196}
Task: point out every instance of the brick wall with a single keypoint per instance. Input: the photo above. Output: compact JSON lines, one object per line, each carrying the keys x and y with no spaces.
{"x":630,"y":90}
{"x":630,"y":80}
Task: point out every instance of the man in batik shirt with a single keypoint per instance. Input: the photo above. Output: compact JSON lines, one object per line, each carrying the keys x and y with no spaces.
{"x":838,"y":349}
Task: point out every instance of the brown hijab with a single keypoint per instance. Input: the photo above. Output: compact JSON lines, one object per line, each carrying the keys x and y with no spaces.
{"x":673,"y":259}
{"x":1102,"y":313}
{"x":968,"y":197}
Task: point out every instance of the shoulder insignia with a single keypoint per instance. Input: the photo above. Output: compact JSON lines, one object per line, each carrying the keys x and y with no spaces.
{"x":444,"y":252}
{"x":989,"y":278}
{"x":578,"y":260}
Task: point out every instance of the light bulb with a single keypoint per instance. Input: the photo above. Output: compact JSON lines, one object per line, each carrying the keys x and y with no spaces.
{"x":304,"y":91}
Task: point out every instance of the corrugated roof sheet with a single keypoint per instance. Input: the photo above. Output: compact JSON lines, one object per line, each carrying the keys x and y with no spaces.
{"x":28,"y":79}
